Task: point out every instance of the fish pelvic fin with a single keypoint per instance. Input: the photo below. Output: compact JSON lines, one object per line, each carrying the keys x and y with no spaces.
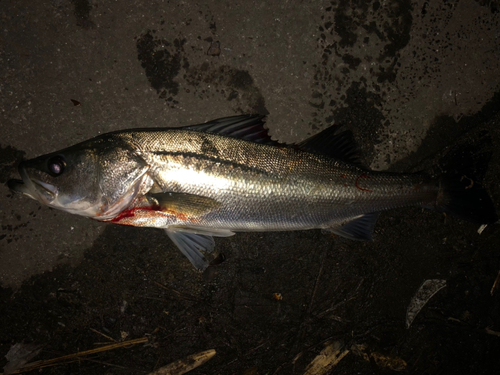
{"x":194,"y":246}
{"x":197,"y":244}
{"x":359,"y":228}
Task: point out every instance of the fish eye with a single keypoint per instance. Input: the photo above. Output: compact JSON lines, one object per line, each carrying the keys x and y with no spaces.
{"x":56,"y":165}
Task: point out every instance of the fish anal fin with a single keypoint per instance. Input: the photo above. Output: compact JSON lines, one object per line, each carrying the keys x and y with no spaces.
{"x":360,"y":228}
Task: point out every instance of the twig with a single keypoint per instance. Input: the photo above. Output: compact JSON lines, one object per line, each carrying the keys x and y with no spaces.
{"x":181,"y":295}
{"x":103,"y":335}
{"x":329,"y":357}
{"x":320,"y":272}
{"x":495,"y":284}
{"x":491,"y":332}
{"x":334,"y":307}
{"x":311,"y":301}
{"x":105,"y":363}
{"x":72,"y":357}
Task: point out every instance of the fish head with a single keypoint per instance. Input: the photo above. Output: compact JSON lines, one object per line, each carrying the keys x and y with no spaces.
{"x":97,"y":179}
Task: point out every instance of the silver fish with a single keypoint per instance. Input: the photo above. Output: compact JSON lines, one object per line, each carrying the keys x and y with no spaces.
{"x":227,"y":176}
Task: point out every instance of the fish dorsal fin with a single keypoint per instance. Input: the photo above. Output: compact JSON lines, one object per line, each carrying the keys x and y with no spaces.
{"x":360,"y":228}
{"x":341,"y":146}
{"x":188,"y":205}
{"x":247,"y":127}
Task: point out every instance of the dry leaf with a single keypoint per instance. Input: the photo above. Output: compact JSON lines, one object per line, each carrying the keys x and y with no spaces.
{"x":214,"y":49}
{"x":423,"y":295}
{"x":18,"y":355}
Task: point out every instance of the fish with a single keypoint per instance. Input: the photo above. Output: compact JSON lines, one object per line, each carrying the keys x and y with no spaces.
{"x":228,"y":175}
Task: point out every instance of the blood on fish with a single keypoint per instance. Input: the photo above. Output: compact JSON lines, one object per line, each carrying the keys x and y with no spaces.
{"x":131,"y":213}
{"x":362,"y":175}
{"x":178,"y":215}
{"x":148,"y":211}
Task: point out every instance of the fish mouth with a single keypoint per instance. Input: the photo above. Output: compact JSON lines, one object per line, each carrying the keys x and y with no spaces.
{"x":19,"y":187}
{"x":32,"y":187}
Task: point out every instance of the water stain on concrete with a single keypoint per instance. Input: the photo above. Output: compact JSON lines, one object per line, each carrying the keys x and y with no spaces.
{"x":82,"y":9}
{"x":162,"y":61}
{"x":169,"y":71}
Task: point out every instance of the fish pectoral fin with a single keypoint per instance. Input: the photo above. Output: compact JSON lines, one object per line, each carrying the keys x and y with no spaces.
{"x":194,"y":246}
{"x":187,"y":204}
{"x":360,"y":228}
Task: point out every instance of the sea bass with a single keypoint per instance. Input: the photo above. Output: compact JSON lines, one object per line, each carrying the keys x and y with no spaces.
{"x":227,"y":176}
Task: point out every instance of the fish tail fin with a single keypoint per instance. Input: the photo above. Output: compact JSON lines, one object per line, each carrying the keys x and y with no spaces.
{"x":461,"y":192}
{"x":465,"y":198}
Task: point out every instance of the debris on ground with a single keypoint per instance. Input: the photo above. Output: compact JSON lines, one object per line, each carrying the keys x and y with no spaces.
{"x":426,"y":291}
{"x":18,"y":355}
{"x":185,"y":365}
{"x":390,"y":362}
{"x":329,"y":357}
{"x":38,"y":365}
{"x":495,"y":284}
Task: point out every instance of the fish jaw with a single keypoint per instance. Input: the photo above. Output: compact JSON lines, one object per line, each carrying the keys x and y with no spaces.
{"x":33,"y":188}
{"x":46,"y":193}
{"x":19,"y":186}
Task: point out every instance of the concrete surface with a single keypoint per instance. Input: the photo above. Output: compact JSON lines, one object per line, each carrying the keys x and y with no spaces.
{"x":400,"y":74}
{"x":306,"y":64}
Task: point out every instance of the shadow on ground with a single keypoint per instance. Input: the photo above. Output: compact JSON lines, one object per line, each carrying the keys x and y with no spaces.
{"x":275,"y":302}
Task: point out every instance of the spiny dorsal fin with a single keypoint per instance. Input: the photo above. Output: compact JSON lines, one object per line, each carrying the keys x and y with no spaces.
{"x":247,"y":127}
{"x":341,"y":146}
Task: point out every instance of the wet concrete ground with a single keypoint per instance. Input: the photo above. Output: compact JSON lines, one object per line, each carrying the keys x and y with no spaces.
{"x":412,"y":80}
